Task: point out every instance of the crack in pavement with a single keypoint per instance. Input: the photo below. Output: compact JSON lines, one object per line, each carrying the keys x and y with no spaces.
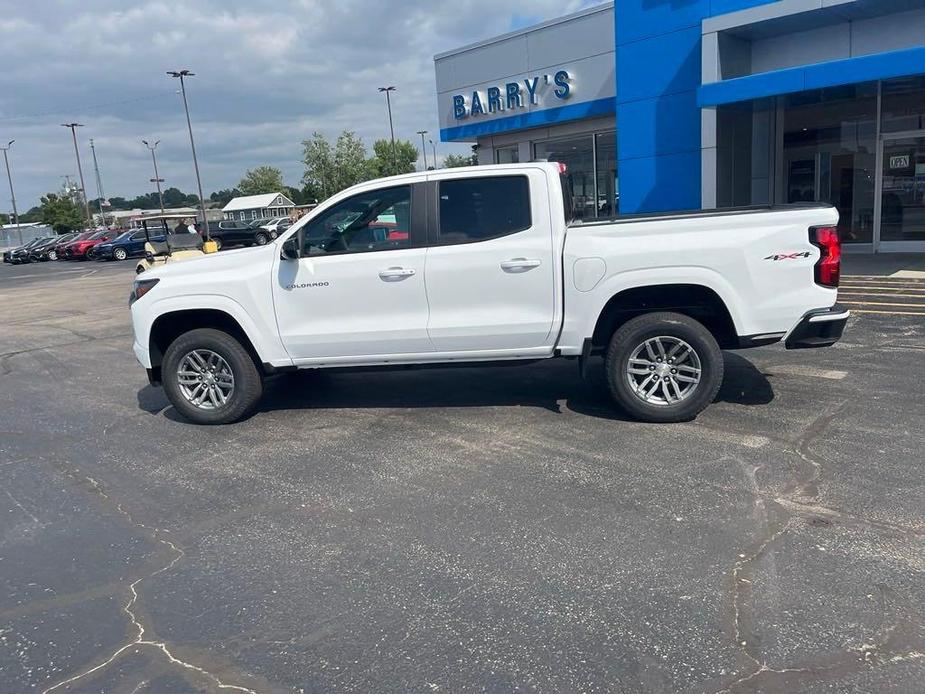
{"x":128,"y":608}
{"x":797,"y":497}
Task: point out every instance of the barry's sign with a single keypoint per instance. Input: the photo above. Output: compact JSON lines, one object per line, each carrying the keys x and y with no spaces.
{"x":514,"y":95}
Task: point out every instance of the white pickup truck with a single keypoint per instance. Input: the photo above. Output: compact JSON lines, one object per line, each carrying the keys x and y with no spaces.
{"x":487,"y":264}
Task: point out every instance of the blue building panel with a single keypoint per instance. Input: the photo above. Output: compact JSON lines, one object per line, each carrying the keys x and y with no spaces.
{"x":662,"y":183}
{"x":660,"y":125}
{"x":829,"y":74}
{"x":660,"y":65}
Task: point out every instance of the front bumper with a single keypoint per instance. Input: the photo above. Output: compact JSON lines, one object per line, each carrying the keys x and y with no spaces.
{"x":821,"y":327}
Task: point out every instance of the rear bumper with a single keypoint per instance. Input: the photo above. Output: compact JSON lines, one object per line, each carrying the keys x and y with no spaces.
{"x":819,"y":328}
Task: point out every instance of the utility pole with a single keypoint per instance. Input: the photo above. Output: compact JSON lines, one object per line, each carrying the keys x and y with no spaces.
{"x":9,"y":176}
{"x":388,"y":100}
{"x":99,"y":184}
{"x":157,"y":179}
{"x":435,"y":153}
{"x":83,"y":189}
{"x":422,"y":133}
{"x":182,"y":74}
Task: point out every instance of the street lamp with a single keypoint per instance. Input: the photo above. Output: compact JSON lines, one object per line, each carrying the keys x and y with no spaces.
{"x":182,"y":74}
{"x":99,"y":185}
{"x":83,"y":188}
{"x":422,"y":133}
{"x":9,"y":176}
{"x":435,"y":153}
{"x":388,"y":100}
{"x":157,"y":179}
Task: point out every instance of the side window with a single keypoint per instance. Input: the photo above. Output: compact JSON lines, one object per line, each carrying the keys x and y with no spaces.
{"x":477,"y":209}
{"x":377,"y":220}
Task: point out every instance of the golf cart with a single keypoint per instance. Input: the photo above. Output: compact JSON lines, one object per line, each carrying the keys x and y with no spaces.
{"x":163,"y":246}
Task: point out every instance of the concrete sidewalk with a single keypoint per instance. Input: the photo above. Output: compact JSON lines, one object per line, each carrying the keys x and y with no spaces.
{"x":908,"y":265}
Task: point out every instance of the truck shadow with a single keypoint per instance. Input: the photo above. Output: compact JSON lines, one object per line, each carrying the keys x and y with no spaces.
{"x":554,"y":386}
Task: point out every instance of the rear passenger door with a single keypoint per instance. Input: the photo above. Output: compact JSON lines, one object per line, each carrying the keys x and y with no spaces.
{"x":490,"y":270}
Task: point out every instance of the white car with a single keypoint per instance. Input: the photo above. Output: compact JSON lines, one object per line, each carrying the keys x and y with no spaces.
{"x":486,"y":264}
{"x":277,"y":225}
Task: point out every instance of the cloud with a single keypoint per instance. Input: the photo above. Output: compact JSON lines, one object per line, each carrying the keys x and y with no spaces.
{"x":268,"y":74}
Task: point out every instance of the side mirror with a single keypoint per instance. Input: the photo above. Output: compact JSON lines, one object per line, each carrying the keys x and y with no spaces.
{"x":292,"y":247}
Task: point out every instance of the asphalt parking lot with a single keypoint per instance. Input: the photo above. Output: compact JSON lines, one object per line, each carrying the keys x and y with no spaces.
{"x":458,"y":530}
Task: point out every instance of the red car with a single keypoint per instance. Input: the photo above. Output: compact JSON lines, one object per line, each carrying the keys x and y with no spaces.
{"x":77,"y":250}
{"x":59,"y":248}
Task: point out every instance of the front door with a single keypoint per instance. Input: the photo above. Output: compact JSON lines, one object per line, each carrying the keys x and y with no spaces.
{"x":901,"y":193}
{"x":357,"y":294}
{"x":491,"y":269}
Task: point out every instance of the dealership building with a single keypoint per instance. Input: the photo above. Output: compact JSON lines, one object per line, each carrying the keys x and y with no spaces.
{"x":663,"y":105}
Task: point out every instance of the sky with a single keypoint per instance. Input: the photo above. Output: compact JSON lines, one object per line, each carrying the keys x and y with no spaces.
{"x":268,"y":74}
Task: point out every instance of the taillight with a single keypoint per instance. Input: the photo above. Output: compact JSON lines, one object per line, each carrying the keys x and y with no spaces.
{"x":828,"y":267}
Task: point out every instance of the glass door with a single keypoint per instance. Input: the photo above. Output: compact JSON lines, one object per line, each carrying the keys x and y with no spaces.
{"x":901,"y":192}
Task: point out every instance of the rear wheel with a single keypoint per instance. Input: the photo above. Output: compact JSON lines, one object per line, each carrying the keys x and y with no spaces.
{"x":261,"y":238}
{"x":210,"y":378}
{"x":218,"y":243}
{"x":664,"y":367}
{"x":120,"y":254}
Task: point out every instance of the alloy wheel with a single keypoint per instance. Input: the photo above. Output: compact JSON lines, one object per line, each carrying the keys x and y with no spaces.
{"x":663,"y":371}
{"x":205,"y":379}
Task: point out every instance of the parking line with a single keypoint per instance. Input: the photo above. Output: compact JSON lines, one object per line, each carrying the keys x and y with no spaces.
{"x":876,"y":303}
{"x":882,"y":289}
{"x":882,"y":296}
{"x":803,"y":370}
{"x":888,"y":313}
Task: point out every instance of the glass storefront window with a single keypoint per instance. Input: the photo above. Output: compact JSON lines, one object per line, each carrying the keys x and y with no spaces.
{"x":507,"y":155}
{"x":594,"y":184}
{"x":829,"y":154}
{"x":577,"y":154}
{"x":608,"y":185}
{"x":903,"y":104}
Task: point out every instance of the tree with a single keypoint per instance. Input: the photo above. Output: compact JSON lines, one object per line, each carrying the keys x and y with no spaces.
{"x":331,"y":169}
{"x":385,"y":162}
{"x":60,"y":213}
{"x":223,"y":197}
{"x":453,"y":161}
{"x":263,"y":179}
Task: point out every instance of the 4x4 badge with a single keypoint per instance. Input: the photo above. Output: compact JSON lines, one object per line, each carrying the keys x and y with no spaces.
{"x":789,"y":256}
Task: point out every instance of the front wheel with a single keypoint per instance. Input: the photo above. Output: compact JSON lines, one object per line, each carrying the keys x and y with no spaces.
{"x":664,"y":367}
{"x":210,"y":378}
{"x":52,"y":255}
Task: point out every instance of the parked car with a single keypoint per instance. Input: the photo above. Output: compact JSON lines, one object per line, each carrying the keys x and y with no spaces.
{"x":232,"y":233}
{"x":61,"y":245}
{"x":509,"y":275}
{"x":129,"y":244}
{"x":277,"y":226}
{"x":19,"y":255}
{"x":46,"y":251}
{"x":79,"y":249}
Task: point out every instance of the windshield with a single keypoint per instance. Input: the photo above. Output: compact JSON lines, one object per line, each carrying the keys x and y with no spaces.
{"x":259,"y":222}
{"x":97,"y":235}
{"x":124,"y":236}
{"x":82,"y":237}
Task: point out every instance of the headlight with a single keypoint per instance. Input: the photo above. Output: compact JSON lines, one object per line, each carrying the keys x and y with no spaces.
{"x":140,"y":288}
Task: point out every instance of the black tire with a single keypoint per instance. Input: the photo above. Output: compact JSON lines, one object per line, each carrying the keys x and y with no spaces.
{"x":632,"y":335}
{"x":218,"y":243}
{"x":248,"y":382}
{"x":261,"y":238}
{"x":120,"y":254}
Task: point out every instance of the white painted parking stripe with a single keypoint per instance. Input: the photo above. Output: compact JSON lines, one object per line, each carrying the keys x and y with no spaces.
{"x":809,"y":371}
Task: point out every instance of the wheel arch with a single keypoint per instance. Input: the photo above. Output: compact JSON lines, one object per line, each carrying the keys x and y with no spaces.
{"x":696,"y":301}
{"x":167,"y":327}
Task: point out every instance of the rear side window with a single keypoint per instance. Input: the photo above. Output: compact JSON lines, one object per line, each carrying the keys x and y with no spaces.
{"x":477,"y":209}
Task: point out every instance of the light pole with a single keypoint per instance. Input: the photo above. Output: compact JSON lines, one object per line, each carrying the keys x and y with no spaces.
{"x":435,"y":153}
{"x":388,"y":100}
{"x":422,"y":133}
{"x":157,"y":179}
{"x":99,"y":184}
{"x":182,"y":74}
{"x":83,"y":189}
{"x":9,"y":176}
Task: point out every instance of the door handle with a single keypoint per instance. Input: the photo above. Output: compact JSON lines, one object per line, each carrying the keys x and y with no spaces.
{"x":520,"y":264}
{"x":394,"y":274}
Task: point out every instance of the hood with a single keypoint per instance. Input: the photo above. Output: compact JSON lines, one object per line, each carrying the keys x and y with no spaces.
{"x":216,"y":262}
